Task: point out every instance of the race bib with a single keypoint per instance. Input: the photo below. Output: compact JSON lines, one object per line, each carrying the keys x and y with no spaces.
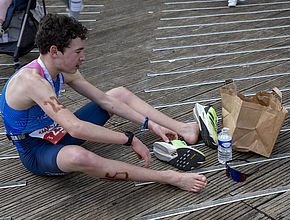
{"x":53,"y":133}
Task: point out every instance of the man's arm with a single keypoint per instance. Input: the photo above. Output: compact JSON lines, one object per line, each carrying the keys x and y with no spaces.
{"x":29,"y":88}
{"x":36,"y":90}
{"x":107,"y":102}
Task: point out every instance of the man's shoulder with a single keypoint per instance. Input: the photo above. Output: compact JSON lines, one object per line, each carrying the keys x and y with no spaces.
{"x":27,"y":78}
{"x":28,"y":74}
{"x":22,"y":86}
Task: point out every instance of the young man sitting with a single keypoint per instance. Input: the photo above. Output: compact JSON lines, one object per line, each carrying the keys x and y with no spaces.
{"x":48,"y":136}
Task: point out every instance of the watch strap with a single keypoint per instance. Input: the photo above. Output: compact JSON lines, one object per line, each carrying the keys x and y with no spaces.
{"x":130,"y":136}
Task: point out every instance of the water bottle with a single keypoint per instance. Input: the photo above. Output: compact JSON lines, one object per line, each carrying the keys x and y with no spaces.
{"x":224,"y":146}
{"x":75,"y":8}
{"x":76,"y":5}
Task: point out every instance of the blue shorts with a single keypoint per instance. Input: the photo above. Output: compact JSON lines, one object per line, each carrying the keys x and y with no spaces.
{"x":39,"y":155}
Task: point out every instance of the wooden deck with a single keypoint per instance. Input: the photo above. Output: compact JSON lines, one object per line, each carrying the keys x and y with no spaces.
{"x":146,"y":45}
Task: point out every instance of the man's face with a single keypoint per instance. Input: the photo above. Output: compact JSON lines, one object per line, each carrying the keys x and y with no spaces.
{"x":73,"y":56}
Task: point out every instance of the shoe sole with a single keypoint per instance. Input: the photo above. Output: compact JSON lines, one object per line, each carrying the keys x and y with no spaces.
{"x":204,"y":131}
{"x":183,"y":158}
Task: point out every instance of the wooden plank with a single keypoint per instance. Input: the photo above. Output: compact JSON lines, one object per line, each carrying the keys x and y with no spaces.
{"x":118,"y":52}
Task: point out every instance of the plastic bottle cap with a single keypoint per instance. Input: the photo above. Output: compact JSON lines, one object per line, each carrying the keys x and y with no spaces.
{"x":225,"y":129}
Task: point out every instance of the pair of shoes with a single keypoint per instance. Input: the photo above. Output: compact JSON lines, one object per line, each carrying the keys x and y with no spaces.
{"x":232,"y":3}
{"x":1,"y":30}
{"x":207,"y":120}
{"x":178,"y":154}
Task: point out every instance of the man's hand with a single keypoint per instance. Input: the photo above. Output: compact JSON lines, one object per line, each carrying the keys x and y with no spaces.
{"x":141,"y":150}
{"x":165,"y":133}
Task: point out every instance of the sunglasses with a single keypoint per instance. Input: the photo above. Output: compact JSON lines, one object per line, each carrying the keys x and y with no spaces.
{"x":235,"y":174}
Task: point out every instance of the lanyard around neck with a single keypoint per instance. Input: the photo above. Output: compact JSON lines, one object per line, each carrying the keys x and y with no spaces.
{"x":49,"y":79}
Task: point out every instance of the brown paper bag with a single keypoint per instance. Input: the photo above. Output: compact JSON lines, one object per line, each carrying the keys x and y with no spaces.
{"x":255,"y":122}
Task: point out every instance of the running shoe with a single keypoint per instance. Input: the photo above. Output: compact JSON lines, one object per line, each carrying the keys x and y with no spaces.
{"x":207,"y":121}
{"x":232,"y":3}
{"x":178,"y":154}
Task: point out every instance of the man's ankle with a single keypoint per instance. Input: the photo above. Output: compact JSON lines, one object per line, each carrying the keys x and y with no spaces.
{"x":172,"y":177}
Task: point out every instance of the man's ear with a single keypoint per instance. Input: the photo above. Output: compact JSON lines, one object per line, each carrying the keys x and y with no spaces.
{"x":53,"y":51}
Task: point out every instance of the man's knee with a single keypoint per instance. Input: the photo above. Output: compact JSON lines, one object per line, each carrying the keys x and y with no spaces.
{"x":75,"y":158}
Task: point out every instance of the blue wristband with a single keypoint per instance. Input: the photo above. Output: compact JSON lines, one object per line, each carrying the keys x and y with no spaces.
{"x":144,"y":126}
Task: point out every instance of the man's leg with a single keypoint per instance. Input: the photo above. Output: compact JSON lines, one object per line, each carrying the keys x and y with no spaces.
{"x":73,"y":158}
{"x":189,"y":132}
{"x":40,"y":156}
{"x":3,"y":9}
{"x":66,"y":2}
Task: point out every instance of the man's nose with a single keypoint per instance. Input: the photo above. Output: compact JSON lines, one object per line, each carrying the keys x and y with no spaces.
{"x":83,"y":57}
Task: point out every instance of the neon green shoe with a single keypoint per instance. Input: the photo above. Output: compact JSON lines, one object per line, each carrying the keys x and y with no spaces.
{"x":178,"y":154}
{"x":207,"y":121}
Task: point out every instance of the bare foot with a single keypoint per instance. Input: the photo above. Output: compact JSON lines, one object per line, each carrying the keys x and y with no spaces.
{"x":191,"y":182}
{"x":190,"y":133}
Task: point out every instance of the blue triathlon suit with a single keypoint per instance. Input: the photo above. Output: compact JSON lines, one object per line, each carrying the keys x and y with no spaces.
{"x":39,"y":155}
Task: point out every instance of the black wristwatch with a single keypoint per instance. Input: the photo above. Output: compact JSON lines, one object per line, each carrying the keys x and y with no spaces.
{"x":130,"y":136}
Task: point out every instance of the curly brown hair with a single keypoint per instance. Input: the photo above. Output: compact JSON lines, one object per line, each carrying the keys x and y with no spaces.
{"x":58,"y":30}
